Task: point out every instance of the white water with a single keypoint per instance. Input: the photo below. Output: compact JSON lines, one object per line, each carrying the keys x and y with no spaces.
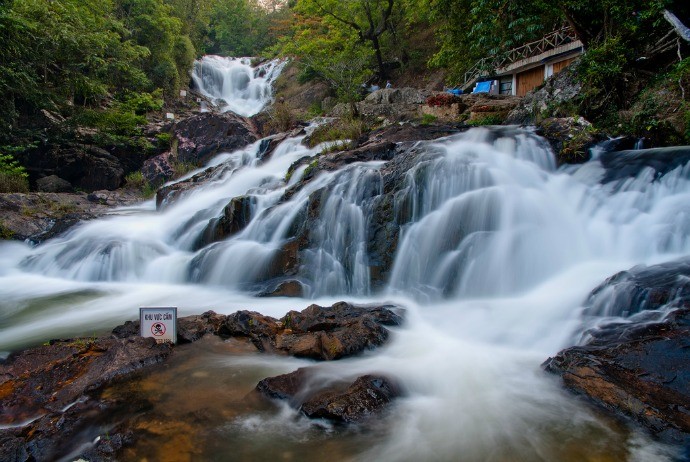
{"x":493,"y":267}
{"x":234,"y":84}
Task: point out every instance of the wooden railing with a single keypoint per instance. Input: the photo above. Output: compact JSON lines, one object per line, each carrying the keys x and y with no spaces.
{"x":485,"y":66}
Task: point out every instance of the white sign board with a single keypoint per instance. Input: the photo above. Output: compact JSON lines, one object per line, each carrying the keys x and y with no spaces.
{"x":170,"y":115}
{"x":159,"y":323}
{"x":183,"y":93}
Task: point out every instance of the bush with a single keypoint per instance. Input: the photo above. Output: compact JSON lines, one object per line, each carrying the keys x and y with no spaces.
{"x":141,"y":103}
{"x":282,"y":117}
{"x":135,"y":181}
{"x":13,"y":176}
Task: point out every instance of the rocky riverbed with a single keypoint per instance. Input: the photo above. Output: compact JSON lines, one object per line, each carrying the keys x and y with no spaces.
{"x":53,"y":398}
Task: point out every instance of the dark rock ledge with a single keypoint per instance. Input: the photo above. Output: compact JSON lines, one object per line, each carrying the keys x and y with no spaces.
{"x":51,"y":396}
{"x":638,"y":367}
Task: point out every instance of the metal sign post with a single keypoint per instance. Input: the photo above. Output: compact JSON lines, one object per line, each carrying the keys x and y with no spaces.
{"x":159,"y":323}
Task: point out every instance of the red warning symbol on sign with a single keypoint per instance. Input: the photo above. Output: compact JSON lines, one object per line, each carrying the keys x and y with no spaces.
{"x":158,"y":329}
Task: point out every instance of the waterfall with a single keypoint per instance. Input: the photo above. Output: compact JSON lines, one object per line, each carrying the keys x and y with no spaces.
{"x":234,"y":84}
{"x":490,"y":247}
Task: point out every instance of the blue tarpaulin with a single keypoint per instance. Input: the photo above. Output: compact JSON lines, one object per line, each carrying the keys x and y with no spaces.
{"x":482,"y":87}
{"x":454,"y":91}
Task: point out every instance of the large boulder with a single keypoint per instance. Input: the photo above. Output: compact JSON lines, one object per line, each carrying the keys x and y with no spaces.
{"x":53,"y":184}
{"x":634,"y":360}
{"x":390,"y":103}
{"x":643,"y":374}
{"x":472,"y":108}
{"x":571,"y":138}
{"x":86,"y":167}
{"x":201,"y":136}
{"x":236,"y":216}
{"x":50,"y":377}
{"x":331,"y":333}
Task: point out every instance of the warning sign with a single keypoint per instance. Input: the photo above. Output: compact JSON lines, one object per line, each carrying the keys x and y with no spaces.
{"x":159,"y":323}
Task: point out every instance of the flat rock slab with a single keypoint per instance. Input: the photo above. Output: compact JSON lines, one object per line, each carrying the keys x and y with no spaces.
{"x":40,"y":216}
{"x":51,"y":377}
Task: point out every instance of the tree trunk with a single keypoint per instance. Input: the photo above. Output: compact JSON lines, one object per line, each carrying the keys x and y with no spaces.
{"x":379,"y":58}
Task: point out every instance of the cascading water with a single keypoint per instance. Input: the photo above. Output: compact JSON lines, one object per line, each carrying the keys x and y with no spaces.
{"x":234,"y":84}
{"x":496,"y":253}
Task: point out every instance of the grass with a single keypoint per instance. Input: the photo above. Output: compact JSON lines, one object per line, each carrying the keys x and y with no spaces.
{"x":338,"y":130}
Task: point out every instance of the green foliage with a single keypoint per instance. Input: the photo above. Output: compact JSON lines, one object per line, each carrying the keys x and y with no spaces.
{"x":473,"y":29}
{"x":13,"y":176}
{"x":489,"y":119}
{"x":164,"y":140}
{"x":428,"y":119}
{"x":71,"y":54}
{"x":5,"y":232}
{"x":282,"y":118}
{"x":141,"y":103}
{"x":135,"y":181}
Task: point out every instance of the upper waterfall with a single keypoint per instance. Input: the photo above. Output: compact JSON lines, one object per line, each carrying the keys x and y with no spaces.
{"x":234,"y":84}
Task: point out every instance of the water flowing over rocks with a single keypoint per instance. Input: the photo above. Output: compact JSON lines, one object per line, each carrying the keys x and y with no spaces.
{"x":634,"y":362}
{"x":339,"y":402}
{"x":628,"y":164}
{"x":51,"y":390}
{"x":52,"y":398}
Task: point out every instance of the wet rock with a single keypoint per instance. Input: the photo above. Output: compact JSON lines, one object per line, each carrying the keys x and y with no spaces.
{"x":286,"y":386}
{"x":642,"y":288}
{"x":201,"y":136}
{"x":332,"y":333}
{"x":51,"y":377}
{"x":289,"y":288}
{"x":53,"y":184}
{"x":260,"y":329}
{"x":571,"y":138}
{"x":621,"y":165}
{"x":367,"y":396}
{"x":338,"y":401}
{"x":189,"y":328}
{"x":634,"y":360}
{"x":641,"y":373}
{"x":167,"y":195}
{"x":192,"y":328}
{"x":236,"y":216}
{"x":158,"y":169}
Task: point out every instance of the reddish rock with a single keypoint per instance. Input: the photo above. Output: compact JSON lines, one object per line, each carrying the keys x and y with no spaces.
{"x":50,"y":377}
{"x":334,"y":332}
